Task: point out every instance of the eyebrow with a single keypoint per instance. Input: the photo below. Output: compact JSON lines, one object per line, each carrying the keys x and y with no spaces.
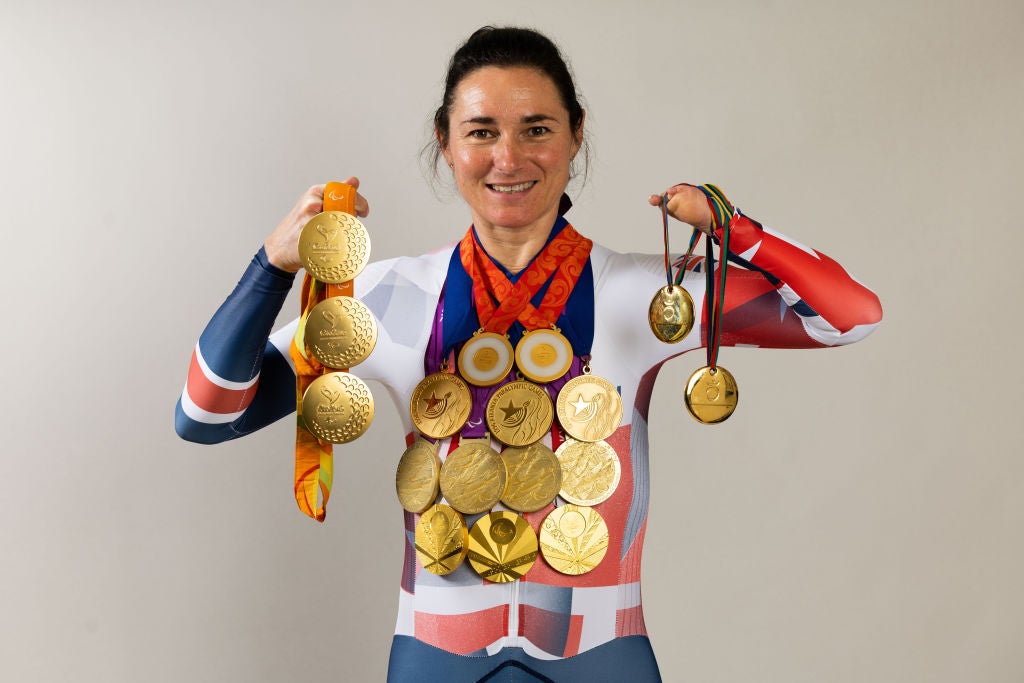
{"x":490,"y":120}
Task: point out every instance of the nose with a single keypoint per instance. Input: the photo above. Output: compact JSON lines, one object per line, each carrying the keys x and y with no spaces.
{"x":507,"y":154}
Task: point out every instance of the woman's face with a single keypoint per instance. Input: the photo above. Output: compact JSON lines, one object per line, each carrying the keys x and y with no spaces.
{"x":510,"y":145}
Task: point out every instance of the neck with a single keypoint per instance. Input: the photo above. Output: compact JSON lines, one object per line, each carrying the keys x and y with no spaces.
{"x":514,"y":248}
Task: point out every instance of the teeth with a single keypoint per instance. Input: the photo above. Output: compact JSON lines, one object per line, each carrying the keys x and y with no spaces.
{"x":513,"y":188}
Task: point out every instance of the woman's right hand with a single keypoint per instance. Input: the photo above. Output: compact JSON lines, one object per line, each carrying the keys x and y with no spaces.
{"x":282,"y":246}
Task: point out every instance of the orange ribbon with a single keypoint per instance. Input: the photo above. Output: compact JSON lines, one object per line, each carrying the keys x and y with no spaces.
{"x":564,"y":256}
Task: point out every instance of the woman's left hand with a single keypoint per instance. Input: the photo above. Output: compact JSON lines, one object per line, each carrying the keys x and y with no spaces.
{"x":687,"y":204}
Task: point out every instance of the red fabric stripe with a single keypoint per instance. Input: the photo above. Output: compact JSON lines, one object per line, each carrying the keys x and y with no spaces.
{"x":462,"y":633}
{"x":215,"y":399}
{"x":630,"y":622}
{"x":572,"y":642}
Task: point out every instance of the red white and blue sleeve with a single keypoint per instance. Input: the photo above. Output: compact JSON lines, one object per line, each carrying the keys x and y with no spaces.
{"x":239,"y":380}
{"x":788,"y":295}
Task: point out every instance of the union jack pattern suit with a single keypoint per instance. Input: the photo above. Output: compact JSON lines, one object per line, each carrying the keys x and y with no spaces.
{"x":786,"y":296}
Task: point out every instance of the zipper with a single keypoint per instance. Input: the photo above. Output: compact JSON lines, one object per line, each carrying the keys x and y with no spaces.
{"x":513,"y":614}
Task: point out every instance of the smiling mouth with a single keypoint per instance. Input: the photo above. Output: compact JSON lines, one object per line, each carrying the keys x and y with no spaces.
{"x":518,"y":187}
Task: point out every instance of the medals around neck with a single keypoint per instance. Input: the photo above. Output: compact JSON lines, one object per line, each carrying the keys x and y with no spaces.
{"x":527,"y":476}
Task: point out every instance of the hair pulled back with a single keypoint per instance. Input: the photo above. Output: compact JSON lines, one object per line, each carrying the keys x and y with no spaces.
{"x":505,"y":47}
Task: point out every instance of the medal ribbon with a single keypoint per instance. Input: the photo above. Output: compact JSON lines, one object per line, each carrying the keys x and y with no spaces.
{"x":722,"y":212}
{"x":314,"y":458}
{"x":564,"y":257}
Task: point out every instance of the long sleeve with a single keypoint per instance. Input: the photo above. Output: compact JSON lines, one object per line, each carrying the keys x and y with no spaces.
{"x":791,"y":296}
{"x":238,"y":379}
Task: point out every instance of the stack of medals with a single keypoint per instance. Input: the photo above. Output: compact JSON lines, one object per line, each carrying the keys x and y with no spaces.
{"x":335,"y":332}
{"x":512,"y":391}
{"x":711,"y":393}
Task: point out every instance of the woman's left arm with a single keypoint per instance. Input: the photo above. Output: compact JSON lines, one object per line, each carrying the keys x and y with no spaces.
{"x":788,"y":295}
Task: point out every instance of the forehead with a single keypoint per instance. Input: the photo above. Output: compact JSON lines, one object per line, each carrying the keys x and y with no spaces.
{"x":494,"y":92}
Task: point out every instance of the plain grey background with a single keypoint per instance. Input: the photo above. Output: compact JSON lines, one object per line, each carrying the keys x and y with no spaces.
{"x":858,"y":519}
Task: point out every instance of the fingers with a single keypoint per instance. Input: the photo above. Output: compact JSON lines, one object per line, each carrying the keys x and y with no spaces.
{"x":362,"y":206}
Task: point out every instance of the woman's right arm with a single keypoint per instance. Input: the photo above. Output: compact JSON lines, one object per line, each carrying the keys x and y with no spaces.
{"x":240,"y":378}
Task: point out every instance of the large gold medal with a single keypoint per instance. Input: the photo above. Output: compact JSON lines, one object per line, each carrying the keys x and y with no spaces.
{"x":502,"y":547}
{"x":590,"y":471}
{"x":573,"y":540}
{"x":485,"y":359}
{"x":334,"y":247}
{"x":589,"y":408}
{"x":440,"y":405}
{"x":441,"y":537}
{"x":519,"y":413}
{"x":340,"y":332}
{"x":417,"y":478}
{"x":711,"y":395}
{"x":543,"y":355}
{"x":473,"y":477}
{"x":671,"y":314}
{"x":534,"y":477}
{"x":337,"y":407}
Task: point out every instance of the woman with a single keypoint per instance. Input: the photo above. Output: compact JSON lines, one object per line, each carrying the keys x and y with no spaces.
{"x":510,"y":127}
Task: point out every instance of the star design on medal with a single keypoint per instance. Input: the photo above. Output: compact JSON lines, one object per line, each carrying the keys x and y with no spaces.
{"x":510,"y":410}
{"x":432,"y":401}
{"x":580,"y":405}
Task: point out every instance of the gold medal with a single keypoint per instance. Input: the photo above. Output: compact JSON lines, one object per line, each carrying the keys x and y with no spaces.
{"x":340,"y":332}
{"x":519,"y":413}
{"x":485,"y":359}
{"x":711,"y":395}
{"x":440,"y":405}
{"x":589,"y":408}
{"x":573,"y":540}
{"x":473,"y":477}
{"x":543,"y":355}
{"x":337,"y":407}
{"x":671,"y":314}
{"x":334,"y":247}
{"x":417,"y":478}
{"x":441,"y":540}
{"x":502,"y":547}
{"x":590,"y":471}
{"x":534,"y":477}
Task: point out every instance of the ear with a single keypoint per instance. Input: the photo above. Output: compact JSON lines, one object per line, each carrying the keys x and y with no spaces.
{"x":442,"y":143}
{"x":578,"y":135}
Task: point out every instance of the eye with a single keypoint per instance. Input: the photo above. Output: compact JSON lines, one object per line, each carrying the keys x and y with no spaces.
{"x":480,"y":134}
{"x":538,"y":131}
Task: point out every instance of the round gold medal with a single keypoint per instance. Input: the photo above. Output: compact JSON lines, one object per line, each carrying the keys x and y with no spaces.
{"x":502,"y":547}
{"x":341,"y":332}
{"x":590,"y":471}
{"x":711,"y":395}
{"x":441,"y":537}
{"x":671,"y":314}
{"x":543,"y":355}
{"x":485,"y":359}
{"x":534,"y":477}
{"x":334,"y":246}
{"x":573,"y":540}
{"x":337,"y":407}
{"x":417,"y":477}
{"x":440,"y":405}
{"x":519,"y":413}
{"x":473,"y":477}
{"x":589,"y":408}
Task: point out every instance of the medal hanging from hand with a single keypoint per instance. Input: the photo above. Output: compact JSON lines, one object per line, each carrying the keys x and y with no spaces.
{"x":711,"y":393}
{"x":335,"y":331}
{"x":671,"y":311}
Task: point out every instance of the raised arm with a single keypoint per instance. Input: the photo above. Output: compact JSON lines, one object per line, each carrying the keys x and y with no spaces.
{"x":786,"y":295}
{"x":240,"y":378}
